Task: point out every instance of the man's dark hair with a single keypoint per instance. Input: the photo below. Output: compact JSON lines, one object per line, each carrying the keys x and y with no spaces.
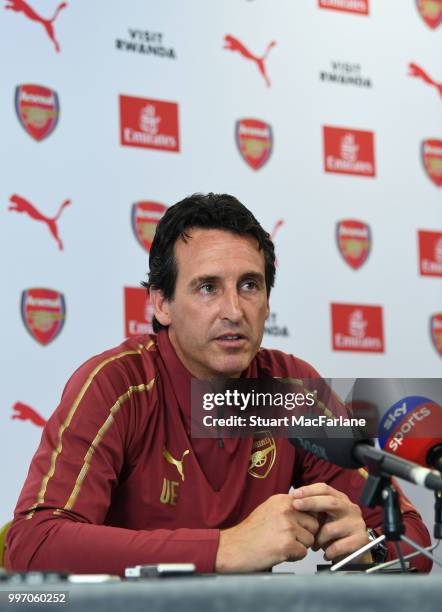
{"x":211,"y":211}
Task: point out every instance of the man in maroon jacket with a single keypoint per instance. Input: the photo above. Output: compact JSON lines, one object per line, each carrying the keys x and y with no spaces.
{"x":117,"y":479}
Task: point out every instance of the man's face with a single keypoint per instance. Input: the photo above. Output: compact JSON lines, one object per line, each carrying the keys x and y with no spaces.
{"x":216,"y":318}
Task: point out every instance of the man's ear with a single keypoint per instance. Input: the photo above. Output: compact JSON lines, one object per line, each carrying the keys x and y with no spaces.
{"x":268,"y":310}
{"x":160,"y":306}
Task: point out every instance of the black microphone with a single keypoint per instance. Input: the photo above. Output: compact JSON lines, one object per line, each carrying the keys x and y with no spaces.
{"x":353,"y":453}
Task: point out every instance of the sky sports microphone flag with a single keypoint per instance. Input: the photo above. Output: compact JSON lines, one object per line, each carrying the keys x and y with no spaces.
{"x":409,"y":416}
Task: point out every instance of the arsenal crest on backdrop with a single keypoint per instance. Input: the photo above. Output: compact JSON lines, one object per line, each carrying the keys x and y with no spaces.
{"x":431,"y":12}
{"x":145,"y":217}
{"x":436,"y":331}
{"x":354,"y":241}
{"x":38,"y":110}
{"x":43,"y":313}
{"x":432,"y":160}
{"x":254,"y":139}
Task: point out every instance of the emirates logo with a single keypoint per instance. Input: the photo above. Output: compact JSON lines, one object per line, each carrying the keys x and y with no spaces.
{"x":348,"y":151}
{"x":438,"y":251}
{"x":349,"y":148}
{"x":357,"y":324}
{"x":357,"y":327}
{"x":149,"y":122}
{"x":430,"y":253}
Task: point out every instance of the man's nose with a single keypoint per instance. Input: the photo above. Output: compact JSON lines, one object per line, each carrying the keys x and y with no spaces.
{"x":231,"y":306}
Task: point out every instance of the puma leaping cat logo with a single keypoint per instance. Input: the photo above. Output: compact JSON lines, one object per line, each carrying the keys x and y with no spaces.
{"x":178,"y":464}
{"x":233,"y":44}
{"x":20,"y":205}
{"x":417,"y":71}
{"x":26,"y":413}
{"x":20,"y":6}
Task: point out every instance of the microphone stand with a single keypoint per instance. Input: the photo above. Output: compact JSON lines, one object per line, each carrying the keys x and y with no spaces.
{"x":437,"y":532}
{"x":379,"y":491}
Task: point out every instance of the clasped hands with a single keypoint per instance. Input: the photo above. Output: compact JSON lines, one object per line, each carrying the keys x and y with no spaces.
{"x":340,"y":529}
{"x":284,"y":527}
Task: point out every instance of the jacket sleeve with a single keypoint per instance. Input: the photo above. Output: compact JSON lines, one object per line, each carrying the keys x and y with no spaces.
{"x":310,"y":469}
{"x":59,"y":519}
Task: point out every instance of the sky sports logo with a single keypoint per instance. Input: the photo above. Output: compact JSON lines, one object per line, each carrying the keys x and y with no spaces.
{"x":348,"y":6}
{"x":402,"y":419}
{"x":348,"y":151}
{"x":357,"y":327}
{"x":149,"y":124}
{"x":410,"y":427}
{"x":430,"y":253}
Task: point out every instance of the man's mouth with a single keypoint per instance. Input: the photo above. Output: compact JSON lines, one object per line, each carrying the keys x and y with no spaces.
{"x":233,"y":340}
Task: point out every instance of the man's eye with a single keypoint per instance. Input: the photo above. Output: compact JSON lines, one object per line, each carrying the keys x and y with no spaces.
{"x":250,"y":285}
{"x":207,"y":288}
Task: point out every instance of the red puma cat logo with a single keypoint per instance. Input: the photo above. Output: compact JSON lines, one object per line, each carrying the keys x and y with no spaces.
{"x":233,"y":44}
{"x":417,"y":71}
{"x":276,"y":227}
{"x":26,"y":413}
{"x":20,"y":6}
{"x":20,"y":205}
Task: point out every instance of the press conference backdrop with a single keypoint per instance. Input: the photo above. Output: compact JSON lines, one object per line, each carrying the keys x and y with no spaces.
{"x":322,"y":116}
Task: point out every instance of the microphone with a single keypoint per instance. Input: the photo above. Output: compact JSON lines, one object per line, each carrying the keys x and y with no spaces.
{"x":353,"y":454}
{"x":410,"y":428}
{"x":374,"y":398}
{"x":410,"y":417}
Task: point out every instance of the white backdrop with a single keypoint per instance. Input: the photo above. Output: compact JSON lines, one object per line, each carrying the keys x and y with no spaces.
{"x":333,"y":68}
